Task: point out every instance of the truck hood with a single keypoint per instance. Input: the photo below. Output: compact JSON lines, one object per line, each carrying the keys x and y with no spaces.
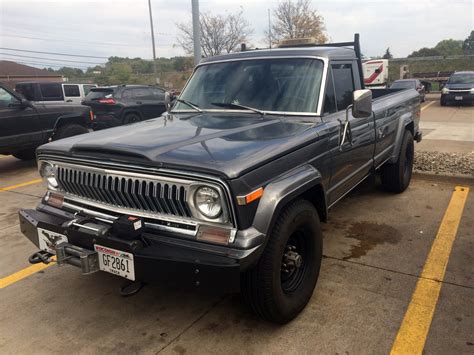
{"x":226,"y":144}
{"x":459,"y":86}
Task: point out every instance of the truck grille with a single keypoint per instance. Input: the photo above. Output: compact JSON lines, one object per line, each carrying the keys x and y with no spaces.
{"x":130,"y":192}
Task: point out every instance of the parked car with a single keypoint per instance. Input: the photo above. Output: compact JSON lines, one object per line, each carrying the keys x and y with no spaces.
{"x":410,"y":84}
{"x":117,"y":105}
{"x":458,"y":89}
{"x":229,"y":188}
{"x":54,"y":93}
{"x":25,"y":125}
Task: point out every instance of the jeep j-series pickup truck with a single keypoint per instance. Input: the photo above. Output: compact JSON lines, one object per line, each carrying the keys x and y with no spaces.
{"x":227,"y":190}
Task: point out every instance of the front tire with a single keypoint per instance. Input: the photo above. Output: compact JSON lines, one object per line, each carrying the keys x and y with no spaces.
{"x":282,"y":283}
{"x":27,"y":154}
{"x":131,"y":118}
{"x":397,"y":176}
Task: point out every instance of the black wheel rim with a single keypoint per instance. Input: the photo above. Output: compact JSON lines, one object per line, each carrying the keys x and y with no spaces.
{"x":294,"y":262}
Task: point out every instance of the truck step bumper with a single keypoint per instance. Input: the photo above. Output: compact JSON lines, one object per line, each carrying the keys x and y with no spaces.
{"x":161,"y":263}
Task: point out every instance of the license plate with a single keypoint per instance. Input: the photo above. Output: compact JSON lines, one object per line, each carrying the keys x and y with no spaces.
{"x":116,"y":262}
{"x":48,"y":240}
{"x":458,"y":98}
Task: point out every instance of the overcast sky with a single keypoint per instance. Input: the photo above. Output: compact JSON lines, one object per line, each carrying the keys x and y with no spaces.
{"x":121,"y":27}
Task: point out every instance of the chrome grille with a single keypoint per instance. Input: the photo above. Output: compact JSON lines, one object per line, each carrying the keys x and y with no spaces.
{"x":127,"y":191}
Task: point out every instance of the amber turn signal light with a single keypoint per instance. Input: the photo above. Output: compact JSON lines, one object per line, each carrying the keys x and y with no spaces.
{"x":254,"y":195}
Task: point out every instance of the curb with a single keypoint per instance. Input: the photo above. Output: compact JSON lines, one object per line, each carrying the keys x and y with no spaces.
{"x":444,"y":177}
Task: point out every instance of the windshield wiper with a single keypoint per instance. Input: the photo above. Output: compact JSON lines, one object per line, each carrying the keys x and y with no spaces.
{"x":190,"y":104}
{"x":230,"y":104}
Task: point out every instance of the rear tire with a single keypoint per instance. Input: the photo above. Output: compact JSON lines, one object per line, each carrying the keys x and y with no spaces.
{"x":131,"y":118}
{"x":396,"y":177}
{"x":69,"y":130}
{"x":277,"y":288}
{"x":27,"y":154}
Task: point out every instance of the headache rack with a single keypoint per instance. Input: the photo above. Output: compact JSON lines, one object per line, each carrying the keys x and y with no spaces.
{"x":310,"y":42}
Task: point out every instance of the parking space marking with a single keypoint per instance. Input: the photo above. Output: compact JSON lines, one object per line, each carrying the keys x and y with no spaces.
{"x":427,"y":105}
{"x":28,"y":271}
{"x":4,"y":156}
{"x":416,"y":324}
{"x":31,"y":182}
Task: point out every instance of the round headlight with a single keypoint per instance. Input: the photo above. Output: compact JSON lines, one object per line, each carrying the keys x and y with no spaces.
{"x":48,"y":173}
{"x":208,"y":202}
{"x":445,"y":91}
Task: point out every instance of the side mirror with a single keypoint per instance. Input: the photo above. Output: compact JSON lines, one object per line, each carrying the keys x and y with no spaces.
{"x":361,"y":103}
{"x":168,"y":101}
{"x":24,"y":103}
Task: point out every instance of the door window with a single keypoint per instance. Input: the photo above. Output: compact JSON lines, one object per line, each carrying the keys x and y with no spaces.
{"x":27,"y":90}
{"x":51,"y":92}
{"x":71,"y":91}
{"x":6,"y":99}
{"x":141,"y":94}
{"x":343,"y":84}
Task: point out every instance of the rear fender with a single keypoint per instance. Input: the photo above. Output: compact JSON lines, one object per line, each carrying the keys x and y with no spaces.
{"x":406,"y":122}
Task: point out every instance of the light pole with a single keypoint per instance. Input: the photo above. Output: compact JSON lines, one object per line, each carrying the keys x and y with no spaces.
{"x":269,"y":30}
{"x":196,"y":31}
{"x":157,"y":80}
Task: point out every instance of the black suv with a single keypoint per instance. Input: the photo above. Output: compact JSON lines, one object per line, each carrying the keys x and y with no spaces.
{"x":117,"y":105}
{"x":459,"y":89}
{"x":25,"y":125}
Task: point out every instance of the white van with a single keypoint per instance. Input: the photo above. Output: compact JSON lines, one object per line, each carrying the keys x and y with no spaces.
{"x":53,"y":93}
{"x":375,"y":73}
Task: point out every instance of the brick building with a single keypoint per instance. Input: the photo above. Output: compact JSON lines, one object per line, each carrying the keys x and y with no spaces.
{"x":12,"y":73}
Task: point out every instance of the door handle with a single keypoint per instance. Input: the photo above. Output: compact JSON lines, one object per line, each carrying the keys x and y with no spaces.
{"x":69,"y":100}
{"x":139,"y":102}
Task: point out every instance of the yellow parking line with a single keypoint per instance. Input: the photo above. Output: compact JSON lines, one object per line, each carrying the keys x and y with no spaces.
{"x":31,"y":182}
{"x":427,"y":105}
{"x":20,"y":275}
{"x":414,"y":329}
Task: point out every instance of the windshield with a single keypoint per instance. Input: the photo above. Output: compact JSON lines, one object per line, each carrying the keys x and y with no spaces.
{"x":285,"y":85}
{"x":461,"y":79}
{"x":403,"y":85}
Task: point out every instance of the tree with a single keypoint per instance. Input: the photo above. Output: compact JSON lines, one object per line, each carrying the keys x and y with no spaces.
{"x":468,"y":44}
{"x":425,"y":52}
{"x":297,"y":20}
{"x":449,"y":47}
{"x":388,"y":54}
{"x":120,"y":73}
{"x":219,"y":34}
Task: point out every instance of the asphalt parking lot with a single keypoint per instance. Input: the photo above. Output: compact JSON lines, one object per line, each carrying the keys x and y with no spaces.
{"x":397,"y":270}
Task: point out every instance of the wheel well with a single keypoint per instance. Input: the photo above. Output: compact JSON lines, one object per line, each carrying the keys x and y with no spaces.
{"x":65,"y":121}
{"x":131,"y":112}
{"x":411,"y":128}
{"x":316,"y":196}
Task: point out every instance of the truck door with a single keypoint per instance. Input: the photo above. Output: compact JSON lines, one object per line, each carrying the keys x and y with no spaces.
{"x":351,"y":161}
{"x":18,"y":126}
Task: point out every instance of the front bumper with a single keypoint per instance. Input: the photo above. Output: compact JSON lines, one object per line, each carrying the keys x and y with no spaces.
{"x":166,"y":260}
{"x":458,"y":97}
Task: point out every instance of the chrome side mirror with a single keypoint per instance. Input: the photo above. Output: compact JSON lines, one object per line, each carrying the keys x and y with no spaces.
{"x":361,"y":103}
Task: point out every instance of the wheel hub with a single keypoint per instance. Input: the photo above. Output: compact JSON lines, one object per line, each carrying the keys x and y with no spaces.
{"x":292,"y":260}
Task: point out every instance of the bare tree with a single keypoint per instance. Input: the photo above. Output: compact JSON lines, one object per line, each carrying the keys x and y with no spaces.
{"x":296,"y":19}
{"x":219,"y":34}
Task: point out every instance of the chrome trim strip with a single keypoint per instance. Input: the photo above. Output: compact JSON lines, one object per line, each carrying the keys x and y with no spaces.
{"x":110,"y":218}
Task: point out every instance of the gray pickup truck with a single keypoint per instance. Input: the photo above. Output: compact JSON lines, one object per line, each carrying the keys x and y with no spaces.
{"x":227,"y":190}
